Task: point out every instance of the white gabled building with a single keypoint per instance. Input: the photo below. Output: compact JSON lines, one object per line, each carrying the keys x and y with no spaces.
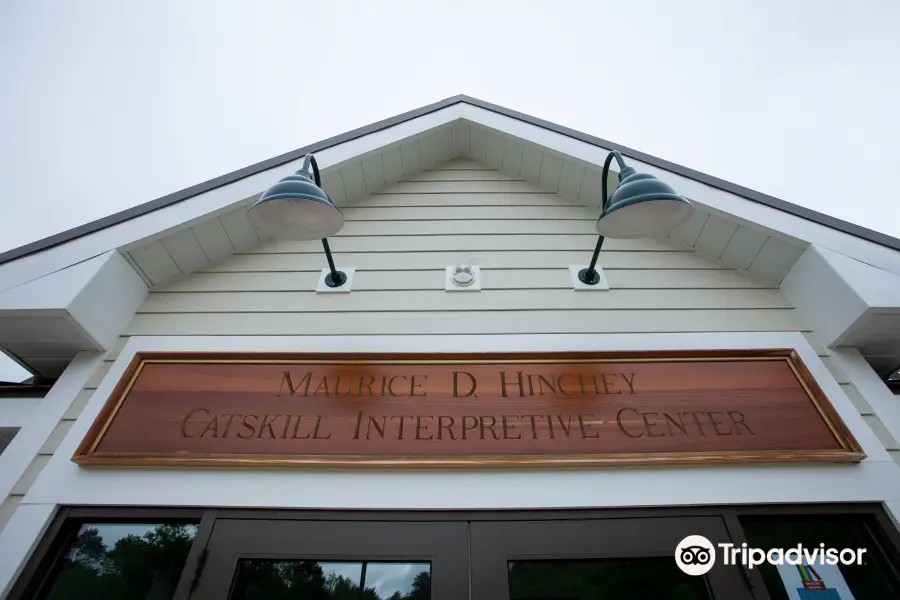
{"x":459,"y":181}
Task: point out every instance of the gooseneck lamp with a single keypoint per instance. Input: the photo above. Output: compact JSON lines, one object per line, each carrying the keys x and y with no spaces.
{"x":640,"y":206}
{"x":298,"y":209}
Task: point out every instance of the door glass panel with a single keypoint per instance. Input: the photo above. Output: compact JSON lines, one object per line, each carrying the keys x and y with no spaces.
{"x":876,"y":578}
{"x":318,"y":580}
{"x":395,"y":581}
{"x":122,"y":562}
{"x":613,"y":579}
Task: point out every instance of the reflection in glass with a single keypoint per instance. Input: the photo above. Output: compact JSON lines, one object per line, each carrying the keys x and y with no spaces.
{"x":400,"y":581}
{"x":615,"y":579}
{"x":877,"y":579}
{"x":122,"y":562}
{"x":314,"y":580}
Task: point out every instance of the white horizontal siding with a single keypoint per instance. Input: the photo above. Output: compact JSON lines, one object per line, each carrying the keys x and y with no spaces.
{"x":452,"y":243}
{"x":469,"y":226}
{"x":474,"y":199}
{"x":465,"y":212}
{"x":462,"y":175}
{"x":536,"y":320}
{"x":464,"y":187}
{"x":416,"y":261}
{"x":438,"y":300}
{"x":400,"y":240}
{"x":497,"y":279}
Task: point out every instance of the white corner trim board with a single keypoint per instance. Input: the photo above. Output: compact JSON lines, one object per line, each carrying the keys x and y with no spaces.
{"x":877,"y":478}
{"x":44,"y":418}
{"x":867,"y":382}
{"x":18,"y":539}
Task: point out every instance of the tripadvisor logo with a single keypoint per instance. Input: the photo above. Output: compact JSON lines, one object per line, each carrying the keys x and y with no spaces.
{"x":696,"y":555}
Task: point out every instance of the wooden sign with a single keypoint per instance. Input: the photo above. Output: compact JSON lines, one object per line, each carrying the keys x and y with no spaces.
{"x":467,"y":410}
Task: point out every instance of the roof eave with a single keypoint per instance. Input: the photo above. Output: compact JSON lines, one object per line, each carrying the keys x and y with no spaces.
{"x":715,"y":182}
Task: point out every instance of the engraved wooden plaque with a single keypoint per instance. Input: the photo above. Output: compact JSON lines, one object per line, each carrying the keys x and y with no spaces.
{"x":573,"y":409}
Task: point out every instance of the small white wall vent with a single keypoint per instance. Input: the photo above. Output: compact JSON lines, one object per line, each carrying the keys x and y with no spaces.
{"x":463,"y":278}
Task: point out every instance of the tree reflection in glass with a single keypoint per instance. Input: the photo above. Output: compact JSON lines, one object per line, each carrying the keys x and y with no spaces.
{"x":122,"y":562}
{"x":314,"y":580}
{"x":607,"y":579}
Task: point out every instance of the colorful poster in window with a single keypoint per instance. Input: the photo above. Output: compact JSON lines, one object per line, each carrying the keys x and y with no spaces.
{"x":814,"y":582}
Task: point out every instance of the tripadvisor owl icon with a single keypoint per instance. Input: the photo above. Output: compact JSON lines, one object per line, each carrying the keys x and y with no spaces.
{"x":695,"y":555}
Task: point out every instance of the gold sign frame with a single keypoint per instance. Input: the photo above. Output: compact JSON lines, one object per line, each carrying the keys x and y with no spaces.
{"x":90,"y":454}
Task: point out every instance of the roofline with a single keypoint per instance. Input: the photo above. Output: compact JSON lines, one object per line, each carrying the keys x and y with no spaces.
{"x":738,"y":190}
{"x":223,"y":180}
{"x":195,"y":190}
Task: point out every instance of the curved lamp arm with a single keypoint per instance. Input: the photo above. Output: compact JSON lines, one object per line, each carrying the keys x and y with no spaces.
{"x":590,"y":275}
{"x":335,"y":278}
{"x":310,"y":159}
{"x":603,"y":177}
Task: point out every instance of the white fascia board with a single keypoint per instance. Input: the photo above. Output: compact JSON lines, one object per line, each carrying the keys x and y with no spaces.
{"x":876,"y":479}
{"x":379,"y":139}
{"x":51,"y":291}
{"x":834,"y":293}
{"x":37,"y":265}
{"x":824,"y":299}
{"x":106,"y":305}
{"x":879,"y":289}
{"x":98,"y":297}
{"x":725,"y":202}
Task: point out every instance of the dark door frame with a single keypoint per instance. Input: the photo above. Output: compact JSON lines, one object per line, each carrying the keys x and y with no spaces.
{"x":442,"y":544}
{"x":67,"y":520}
{"x":496,"y":544}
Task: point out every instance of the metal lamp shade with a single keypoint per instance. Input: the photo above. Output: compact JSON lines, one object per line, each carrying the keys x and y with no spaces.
{"x":296,"y":209}
{"x":642,"y":206}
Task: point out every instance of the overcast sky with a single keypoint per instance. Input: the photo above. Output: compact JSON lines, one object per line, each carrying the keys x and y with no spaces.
{"x":109,"y":104}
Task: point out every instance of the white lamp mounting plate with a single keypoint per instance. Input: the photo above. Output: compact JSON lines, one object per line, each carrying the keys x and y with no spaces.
{"x":322,"y":288}
{"x":600,"y":286}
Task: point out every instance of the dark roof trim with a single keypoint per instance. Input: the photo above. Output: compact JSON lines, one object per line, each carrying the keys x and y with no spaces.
{"x":148,"y":207}
{"x":738,"y":190}
{"x":27,"y":389}
{"x":206,"y":186}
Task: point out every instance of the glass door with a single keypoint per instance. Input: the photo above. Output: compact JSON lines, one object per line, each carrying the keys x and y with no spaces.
{"x":259,"y":559}
{"x":596,"y":559}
